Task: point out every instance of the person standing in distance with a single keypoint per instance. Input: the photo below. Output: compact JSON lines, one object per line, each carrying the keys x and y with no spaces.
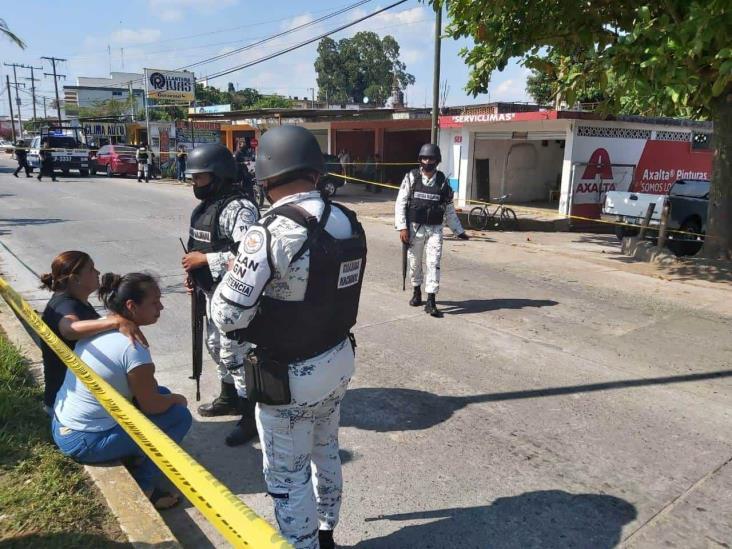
{"x":423,"y":205}
{"x":217,"y":225}
{"x":294,"y":292}
{"x":143,"y":163}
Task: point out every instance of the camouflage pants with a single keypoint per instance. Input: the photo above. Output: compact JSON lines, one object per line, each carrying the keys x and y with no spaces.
{"x":302,"y":467}
{"x":426,"y":240}
{"x":228,"y":354}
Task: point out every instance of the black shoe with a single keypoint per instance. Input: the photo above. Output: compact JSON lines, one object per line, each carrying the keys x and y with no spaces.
{"x":15,"y":174}
{"x":226,"y":404}
{"x":416,"y":300}
{"x":39,"y":178}
{"x":325,"y":537}
{"x":246,"y":427}
{"x":431,"y":307}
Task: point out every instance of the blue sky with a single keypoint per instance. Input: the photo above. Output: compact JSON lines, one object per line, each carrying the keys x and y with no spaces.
{"x":167,"y":34}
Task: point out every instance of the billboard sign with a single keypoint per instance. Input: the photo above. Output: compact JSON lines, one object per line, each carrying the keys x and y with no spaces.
{"x":209,"y":109}
{"x":160,"y":84}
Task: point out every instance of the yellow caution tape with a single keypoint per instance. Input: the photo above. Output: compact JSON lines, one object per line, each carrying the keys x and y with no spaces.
{"x":241,"y":526}
{"x":527,"y":208}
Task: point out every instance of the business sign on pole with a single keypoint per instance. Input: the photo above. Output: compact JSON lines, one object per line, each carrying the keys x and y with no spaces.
{"x":104,"y":129}
{"x":160,"y":84}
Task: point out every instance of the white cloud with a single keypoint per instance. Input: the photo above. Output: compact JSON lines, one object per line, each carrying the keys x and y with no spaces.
{"x":124,"y":37}
{"x":175,"y":10}
{"x":297,"y":21}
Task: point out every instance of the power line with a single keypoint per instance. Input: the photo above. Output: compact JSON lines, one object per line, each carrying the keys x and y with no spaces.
{"x":301,"y":44}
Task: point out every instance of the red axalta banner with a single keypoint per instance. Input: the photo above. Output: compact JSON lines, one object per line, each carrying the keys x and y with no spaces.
{"x":603,"y":164}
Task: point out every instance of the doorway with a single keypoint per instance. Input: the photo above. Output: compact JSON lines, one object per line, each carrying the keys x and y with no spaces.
{"x":482,"y":179}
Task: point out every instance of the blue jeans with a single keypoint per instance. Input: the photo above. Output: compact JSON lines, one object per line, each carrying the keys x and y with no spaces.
{"x":181,"y":169}
{"x":89,"y":447}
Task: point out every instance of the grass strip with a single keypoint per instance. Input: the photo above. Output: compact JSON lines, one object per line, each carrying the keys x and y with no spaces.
{"x":46,"y":499}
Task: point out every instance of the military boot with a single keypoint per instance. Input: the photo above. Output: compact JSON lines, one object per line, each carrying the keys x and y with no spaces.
{"x":431,"y":307}
{"x":325,"y":538}
{"x":416,"y":300}
{"x":246,"y":427}
{"x":226,"y":404}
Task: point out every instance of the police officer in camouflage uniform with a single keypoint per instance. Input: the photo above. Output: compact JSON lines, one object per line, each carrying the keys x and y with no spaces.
{"x":294,"y":291}
{"x":423,"y":205}
{"x":217,"y":225}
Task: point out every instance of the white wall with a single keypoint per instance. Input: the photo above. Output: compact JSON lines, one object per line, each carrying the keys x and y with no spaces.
{"x":530,"y":168}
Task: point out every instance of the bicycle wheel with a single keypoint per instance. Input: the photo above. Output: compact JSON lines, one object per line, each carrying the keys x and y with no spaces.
{"x":478,"y":218}
{"x":509,"y":221}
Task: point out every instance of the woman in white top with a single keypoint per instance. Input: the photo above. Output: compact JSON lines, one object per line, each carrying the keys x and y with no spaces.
{"x":81,"y":427}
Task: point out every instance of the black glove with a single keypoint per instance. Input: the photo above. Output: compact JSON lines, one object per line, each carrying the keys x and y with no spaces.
{"x":463,"y":236}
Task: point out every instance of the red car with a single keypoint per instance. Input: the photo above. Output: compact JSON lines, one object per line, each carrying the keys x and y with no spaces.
{"x":115,"y":160}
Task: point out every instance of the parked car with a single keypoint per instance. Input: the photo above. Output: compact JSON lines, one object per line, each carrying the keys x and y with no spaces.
{"x":329,"y":184}
{"x":688,"y":201}
{"x":115,"y":160}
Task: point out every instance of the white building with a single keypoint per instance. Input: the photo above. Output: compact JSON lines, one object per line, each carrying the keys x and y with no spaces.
{"x":119,"y":86}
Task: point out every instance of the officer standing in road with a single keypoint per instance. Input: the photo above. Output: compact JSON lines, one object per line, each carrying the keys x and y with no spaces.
{"x":217,"y":225}
{"x":143,"y":163}
{"x":46,"y":159}
{"x":21,"y":155}
{"x":423,"y":205}
{"x":294,"y":291}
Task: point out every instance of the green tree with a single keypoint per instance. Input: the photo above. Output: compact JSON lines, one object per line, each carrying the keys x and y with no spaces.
{"x":542,"y":84}
{"x":670,"y":58}
{"x":362,"y":66}
{"x":7,"y":33}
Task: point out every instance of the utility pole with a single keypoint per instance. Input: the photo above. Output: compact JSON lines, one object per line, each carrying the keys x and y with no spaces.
{"x":17,"y":99}
{"x":45,"y":114}
{"x":55,"y":84}
{"x":436,"y":73}
{"x":10,"y":104}
{"x":33,"y":80}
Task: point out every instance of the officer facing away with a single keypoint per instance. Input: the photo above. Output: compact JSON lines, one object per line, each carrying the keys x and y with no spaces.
{"x":217,"y":225}
{"x":21,"y":155}
{"x":294,"y":292}
{"x":423,"y":205}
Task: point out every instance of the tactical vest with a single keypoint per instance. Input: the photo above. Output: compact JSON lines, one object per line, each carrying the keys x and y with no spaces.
{"x":426,"y":205}
{"x":291,"y":331}
{"x":204,"y":237}
{"x":141,"y":155}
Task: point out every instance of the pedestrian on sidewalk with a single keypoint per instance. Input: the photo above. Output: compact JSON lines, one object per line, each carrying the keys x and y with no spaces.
{"x":143,"y":158}
{"x":423,"y":205}
{"x":82,"y":428}
{"x":218,"y":223}
{"x":180,"y":163}
{"x":294,"y":291}
{"x":69,"y":315}
{"x":47,"y":163}
{"x":21,"y":155}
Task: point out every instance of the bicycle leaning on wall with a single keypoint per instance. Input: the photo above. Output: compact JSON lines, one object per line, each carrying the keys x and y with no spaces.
{"x":501,"y":219}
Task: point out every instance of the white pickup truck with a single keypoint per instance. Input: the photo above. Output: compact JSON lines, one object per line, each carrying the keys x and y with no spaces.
{"x":688,"y":201}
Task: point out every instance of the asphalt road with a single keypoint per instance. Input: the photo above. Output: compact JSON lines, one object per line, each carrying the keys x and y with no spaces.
{"x":558,"y":404}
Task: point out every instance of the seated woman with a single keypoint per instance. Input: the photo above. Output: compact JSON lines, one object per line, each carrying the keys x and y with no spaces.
{"x":73,"y":278}
{"x":82,"y":428}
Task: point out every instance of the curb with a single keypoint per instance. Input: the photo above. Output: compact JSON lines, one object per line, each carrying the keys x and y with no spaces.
{"x":136,"y":516}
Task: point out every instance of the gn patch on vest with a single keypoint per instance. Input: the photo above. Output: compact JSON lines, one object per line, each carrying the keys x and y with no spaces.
{"x":427,"y":196}
{"x":350,"y":273}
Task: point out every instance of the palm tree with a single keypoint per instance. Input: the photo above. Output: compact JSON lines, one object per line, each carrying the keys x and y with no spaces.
{"x":5,"y":31}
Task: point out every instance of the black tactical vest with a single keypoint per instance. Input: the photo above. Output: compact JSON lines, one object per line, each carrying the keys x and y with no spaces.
{"x":142,"y":155}
{"x":426,"y":205}
{"x":297,"y":330}
{"x":204,"y":237}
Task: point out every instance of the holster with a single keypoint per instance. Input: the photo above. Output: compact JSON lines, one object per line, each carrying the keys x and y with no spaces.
{"x":267,"y":379}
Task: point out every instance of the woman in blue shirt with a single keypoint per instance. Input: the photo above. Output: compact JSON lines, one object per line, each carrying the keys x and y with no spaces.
{"x":82,"y":428}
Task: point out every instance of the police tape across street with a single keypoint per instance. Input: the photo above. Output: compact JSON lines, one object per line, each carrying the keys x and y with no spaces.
{"x":241,"y":526}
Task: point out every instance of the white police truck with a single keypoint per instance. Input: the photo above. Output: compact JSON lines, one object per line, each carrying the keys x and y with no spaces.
{"x":68,"y":146}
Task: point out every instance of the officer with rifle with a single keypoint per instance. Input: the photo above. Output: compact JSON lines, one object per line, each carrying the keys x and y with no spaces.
{"x":294,"y":292}
{"x":217,"y":225}
{"x":423,"y":205}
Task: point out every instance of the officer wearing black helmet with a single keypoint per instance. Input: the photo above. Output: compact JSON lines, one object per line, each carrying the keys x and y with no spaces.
{"x":294,"y":291}
{"x":217,"y":225}
{"x":423,"y":206}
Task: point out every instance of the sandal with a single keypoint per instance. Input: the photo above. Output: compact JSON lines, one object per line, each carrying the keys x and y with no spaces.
{"x":162,"y":499}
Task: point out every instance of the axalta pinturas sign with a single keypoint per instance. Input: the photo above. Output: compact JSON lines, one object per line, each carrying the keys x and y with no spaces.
{"x":160,"y":84}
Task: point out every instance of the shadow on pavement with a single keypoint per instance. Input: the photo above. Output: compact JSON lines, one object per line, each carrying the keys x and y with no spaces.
{"x":395,"y":409}
{"x":21,"y":222}
{"x":470,"y":306}
{"x":544,"y":519}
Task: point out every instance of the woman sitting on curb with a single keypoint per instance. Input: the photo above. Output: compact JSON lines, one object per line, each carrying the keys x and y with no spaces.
{"x":82,"y":428}
{"x":73,"y":278}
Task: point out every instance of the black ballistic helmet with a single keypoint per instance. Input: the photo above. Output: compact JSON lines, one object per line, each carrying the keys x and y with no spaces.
{"x":212,"y":158}
{"x":431,"y":151}
{"x":286,"y":149}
